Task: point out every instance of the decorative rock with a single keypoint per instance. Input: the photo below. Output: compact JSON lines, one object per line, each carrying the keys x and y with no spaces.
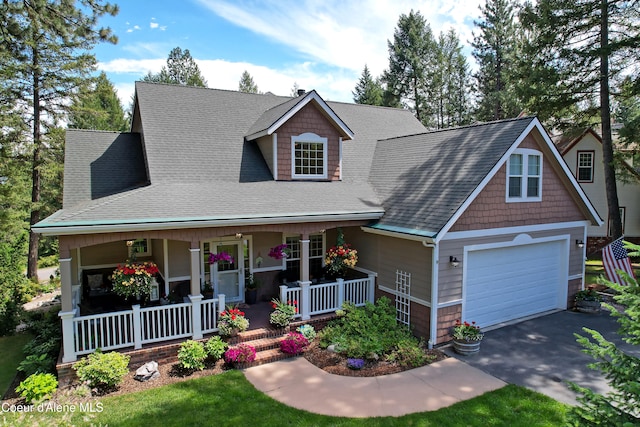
{"x":148,"y":371}
{"x":332,"y":348}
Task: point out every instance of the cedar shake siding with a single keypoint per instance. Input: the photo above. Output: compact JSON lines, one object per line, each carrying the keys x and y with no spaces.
{"x":490,"y":209}
{"x":308,"y":120}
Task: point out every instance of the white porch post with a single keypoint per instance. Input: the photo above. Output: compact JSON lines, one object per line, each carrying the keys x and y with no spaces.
{"x":305,"y":291}
{"x":195,"y":296}
{"x":68,"y":336}
{"x":371,"y":288}
{"x":137,"y":327}
{"x":340,"y":292}
{"x":67,"y":312}
{"x":304,"y":258}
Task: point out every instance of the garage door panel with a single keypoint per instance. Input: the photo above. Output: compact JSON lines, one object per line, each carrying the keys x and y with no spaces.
{"x":507,"y":283}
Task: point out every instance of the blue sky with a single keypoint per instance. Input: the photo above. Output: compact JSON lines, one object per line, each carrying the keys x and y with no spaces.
{"x":321,"y":44}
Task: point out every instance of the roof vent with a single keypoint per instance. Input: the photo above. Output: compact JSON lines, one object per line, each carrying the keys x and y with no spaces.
{"x":301,"y":92}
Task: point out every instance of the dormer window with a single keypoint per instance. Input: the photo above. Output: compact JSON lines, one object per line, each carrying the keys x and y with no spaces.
{"x":309,"y":156}
{"x":524,"y":176}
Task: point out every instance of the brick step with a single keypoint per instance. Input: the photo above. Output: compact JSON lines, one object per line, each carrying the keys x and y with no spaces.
{"x":266,"y":356}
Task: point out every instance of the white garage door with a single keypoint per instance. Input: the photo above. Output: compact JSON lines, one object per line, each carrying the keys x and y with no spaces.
{"x":512,"y":282}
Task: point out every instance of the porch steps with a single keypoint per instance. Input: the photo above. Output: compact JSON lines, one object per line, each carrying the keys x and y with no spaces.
{"x":266,"y":341}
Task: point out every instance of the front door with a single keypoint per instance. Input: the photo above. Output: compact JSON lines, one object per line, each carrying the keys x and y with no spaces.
{"x":228,"y":276}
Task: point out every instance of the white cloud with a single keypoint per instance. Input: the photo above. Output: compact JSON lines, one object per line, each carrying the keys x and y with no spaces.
{"x":346,"y":34}
{"x":153,"y":25}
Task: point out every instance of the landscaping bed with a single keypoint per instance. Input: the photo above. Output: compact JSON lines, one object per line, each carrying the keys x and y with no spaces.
{"x":336,"y":363}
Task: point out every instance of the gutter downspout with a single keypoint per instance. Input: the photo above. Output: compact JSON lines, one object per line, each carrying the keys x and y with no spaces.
{"x":433,"y":318}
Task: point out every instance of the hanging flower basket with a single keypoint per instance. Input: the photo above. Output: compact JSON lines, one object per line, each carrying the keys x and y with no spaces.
{"x":133,"y":279}
{"x":280,"y":251}
{"x":222,"y":256}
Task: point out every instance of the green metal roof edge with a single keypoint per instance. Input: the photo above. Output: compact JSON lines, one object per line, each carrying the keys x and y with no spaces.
{"x":404,"y":230}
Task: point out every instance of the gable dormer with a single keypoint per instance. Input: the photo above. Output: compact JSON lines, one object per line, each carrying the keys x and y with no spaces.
{"x":301,"y":139}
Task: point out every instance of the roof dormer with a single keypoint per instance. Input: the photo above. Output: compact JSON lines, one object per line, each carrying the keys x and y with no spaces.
{"x":301,"y":139}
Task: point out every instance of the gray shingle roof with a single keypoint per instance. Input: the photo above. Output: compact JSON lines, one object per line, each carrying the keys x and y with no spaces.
{"x":424,"y":179}
{"x":200,"y":166}
{"x":98,"y":164}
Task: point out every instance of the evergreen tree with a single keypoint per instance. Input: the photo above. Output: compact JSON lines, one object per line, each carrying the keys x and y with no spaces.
{"x":494,"y":49}
{"x":368,"y":90}
{"x":46,"y":60}
{"x":577,"y":48}
{"x":412,"y":58}
{"x":247,"y":84}
{"x":181,"y":69}
{"x":620,"y":406}
{"x":98,"y":107}
{"x":451,"y":83}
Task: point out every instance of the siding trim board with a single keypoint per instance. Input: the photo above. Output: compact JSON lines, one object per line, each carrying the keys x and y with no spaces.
{"x":524,"y":229}
{"x":412,"y":298}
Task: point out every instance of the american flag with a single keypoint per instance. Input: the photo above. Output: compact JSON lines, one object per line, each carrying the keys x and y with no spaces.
{"x":614,"y":257}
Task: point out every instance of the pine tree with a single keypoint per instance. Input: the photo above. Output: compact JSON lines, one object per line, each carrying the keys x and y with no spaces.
{"x":412,"y":57}
{"x":46,"y":60}
{"x":247,"y":84}
{"x":577,"y":48}
{"x":98,"y":107}
{"x":620,"y":406}
{"x":368,"y":90}
{"x":181,"y":69}
{"x":494,"y":48}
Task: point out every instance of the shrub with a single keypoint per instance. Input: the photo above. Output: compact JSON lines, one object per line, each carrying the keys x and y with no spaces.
{"x":14,"y":288}
{"x":283,"y":312}
{"x":37,"y":387}
{"x":365,"y":332}
{"x":215,"y":347}
{"x":191,"y":355}
{"x":293,"y":343}
{"x":33,"y":364}
{"x":241,"y":353}
{"x":308,"y":332}
{"x":409,"y":352}
{"x":103,"y":370}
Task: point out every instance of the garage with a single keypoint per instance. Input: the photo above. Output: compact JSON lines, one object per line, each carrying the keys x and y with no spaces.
{"x":510,"y":282}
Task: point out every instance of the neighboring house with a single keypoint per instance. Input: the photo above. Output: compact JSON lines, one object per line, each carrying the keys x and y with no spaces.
{"x":479,"y":222}
{"x":583,"y":155}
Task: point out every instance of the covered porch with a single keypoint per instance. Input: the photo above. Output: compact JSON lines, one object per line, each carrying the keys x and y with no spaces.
{"x":194,"y":315}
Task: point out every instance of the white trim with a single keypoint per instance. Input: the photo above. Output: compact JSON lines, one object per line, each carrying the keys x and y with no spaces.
{"x":313,"y":95}
{"x":433,"y":318}
{"x":412,"y":298}
{"x":535,"y":123}
{"x":194,"y":249}
{"x":396,"y":234}
{"x":274,"y":144}
{"x":209,"y":223}
{"x":513,"y":230}
{"x":524,"y":177}
{"x":178,"y":278}
{"x":97,"y":266}
{"x":309,"y":138}
{"x":365,"y":271}
{"x":575,"y":276}
{"x":165,"y":258}
{"x":263,"y":269}
{"x":450,"y":303}
{"x":340,"y":158}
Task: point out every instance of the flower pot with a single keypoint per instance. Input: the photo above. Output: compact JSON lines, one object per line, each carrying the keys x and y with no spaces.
{"x":466,"y":348}
{"x":585,"y":306}
{"x":251,"y":296}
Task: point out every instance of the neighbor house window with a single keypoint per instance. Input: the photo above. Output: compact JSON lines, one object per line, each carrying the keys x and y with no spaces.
{"x":524,"y":176}
{"x":585,"y":166}
{"x":309,"y":156}
{"x":141,"y":247}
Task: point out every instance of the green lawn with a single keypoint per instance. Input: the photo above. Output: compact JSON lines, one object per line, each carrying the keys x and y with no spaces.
{"x":229,"y":399}
{"x":10,"y":357}
{"x":594,"y":269}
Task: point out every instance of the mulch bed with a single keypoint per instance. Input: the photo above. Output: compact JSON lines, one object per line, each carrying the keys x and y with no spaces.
{"x":331,"y":362}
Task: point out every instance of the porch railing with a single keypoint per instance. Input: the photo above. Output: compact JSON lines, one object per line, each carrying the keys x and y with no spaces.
{"x":328,"y":297}
{"x":138,"y":326}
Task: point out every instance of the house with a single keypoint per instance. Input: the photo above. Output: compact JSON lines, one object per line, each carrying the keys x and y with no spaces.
{"x":478,"y":222}
{"x":583,"y":154}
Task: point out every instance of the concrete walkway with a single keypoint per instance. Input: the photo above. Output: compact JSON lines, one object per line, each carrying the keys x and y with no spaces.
{"x":299,"y":384}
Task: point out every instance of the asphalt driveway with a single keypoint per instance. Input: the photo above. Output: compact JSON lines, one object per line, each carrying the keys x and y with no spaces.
{"x":542,"y":354}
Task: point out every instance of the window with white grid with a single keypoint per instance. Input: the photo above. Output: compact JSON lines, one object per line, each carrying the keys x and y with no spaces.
{"x":309,"y":156}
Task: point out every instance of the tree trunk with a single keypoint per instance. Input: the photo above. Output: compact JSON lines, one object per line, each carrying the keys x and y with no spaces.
{"x":615,"y":222}
{"x":34,"y":238}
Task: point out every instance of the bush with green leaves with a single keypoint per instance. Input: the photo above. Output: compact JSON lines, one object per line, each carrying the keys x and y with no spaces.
{"x":215,"y":348}
{"x":191,"y":355}
{"x":409,"y":353}
{"x":37,"y":387}
{"x":103,"y":370}
{"x":308,"y":332}
{"x":33,"y":364}
{"x":365,"y":332}
{"x":619,"y":406}
{"x":13,"y":285}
